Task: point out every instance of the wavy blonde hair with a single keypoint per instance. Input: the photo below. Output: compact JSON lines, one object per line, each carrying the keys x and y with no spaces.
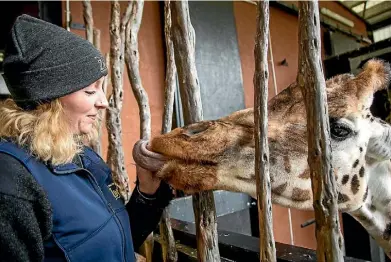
{"x":44,"y":130}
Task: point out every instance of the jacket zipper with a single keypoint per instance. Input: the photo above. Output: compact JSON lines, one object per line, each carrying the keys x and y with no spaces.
{"x":97,"y":188}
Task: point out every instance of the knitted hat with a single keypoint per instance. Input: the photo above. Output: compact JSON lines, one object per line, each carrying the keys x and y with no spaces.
{"x":44,"y":62}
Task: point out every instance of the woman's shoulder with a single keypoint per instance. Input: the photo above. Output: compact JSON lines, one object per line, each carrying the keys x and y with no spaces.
{"x":16,"y":180}
{"x":25,"y":211}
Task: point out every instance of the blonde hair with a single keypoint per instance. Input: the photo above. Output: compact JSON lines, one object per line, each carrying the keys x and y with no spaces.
{"x":44,"y":130}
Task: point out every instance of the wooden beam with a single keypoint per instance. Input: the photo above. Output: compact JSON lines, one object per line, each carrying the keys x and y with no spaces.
{"x":97,"y":145}
{"x":351,"y":4}
{"x":115,"y":155}
{"x":376,"y":10}
{"x":184,"y":47}
{"x":313,"y":87}
{"x":88,"y":20}
{"x":132,"y":60}
{"x":169,"y":251}
{"x":261,"y":75}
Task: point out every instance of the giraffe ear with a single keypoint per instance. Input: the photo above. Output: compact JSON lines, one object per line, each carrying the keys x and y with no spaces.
{"x":243,"y":117}
{"x":375,"y":76}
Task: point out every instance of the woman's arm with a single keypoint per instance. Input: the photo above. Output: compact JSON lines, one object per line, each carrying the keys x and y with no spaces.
{"x":145,"y":210}
{"x":25,"y":220}
{"x":20,"y":234}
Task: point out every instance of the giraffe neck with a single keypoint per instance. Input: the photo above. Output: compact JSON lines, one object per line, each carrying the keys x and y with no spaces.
{"x":375,"y":213}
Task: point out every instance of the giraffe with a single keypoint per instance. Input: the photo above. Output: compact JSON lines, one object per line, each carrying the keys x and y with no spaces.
{"x":219,"y":154}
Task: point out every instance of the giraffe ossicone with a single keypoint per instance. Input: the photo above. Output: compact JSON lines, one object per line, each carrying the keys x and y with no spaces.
{"x":219,"y":154}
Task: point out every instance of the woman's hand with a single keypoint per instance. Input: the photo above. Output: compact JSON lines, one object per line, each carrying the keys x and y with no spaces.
{"x":148,"y":183}
{"x":147,"y":162}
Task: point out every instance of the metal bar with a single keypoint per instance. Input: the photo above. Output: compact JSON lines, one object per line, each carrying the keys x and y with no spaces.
{"x":240,"y":247}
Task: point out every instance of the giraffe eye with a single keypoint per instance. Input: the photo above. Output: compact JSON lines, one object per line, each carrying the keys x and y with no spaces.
{"x":340,"y":131}
{"x":196,"y":129}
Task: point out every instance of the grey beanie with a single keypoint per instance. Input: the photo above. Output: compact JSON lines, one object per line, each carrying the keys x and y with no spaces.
{"x":44,"y":61}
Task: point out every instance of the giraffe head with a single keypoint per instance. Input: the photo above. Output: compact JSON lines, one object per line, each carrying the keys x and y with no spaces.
{"x":219,"y":154}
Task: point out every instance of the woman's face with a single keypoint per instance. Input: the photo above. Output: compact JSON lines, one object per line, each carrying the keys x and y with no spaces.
{"x":82,"y":107}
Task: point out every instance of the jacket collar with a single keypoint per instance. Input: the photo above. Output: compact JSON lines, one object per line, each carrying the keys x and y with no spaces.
{"x":78,"y":163}
{"x":64,"y":168}
{"x":68,"y":168}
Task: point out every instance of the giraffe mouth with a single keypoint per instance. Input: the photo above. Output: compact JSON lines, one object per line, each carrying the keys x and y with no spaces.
{"x":147,"y":159}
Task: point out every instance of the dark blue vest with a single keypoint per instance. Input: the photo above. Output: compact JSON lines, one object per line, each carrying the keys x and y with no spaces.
{"x":90,"y":222}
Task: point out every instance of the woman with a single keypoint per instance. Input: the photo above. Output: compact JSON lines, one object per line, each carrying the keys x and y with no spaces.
{"x":56,"y":197}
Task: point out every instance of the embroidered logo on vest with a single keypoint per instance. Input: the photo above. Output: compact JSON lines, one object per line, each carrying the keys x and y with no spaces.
{"x":114,"y":190}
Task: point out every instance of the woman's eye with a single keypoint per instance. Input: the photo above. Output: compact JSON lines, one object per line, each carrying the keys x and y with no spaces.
{"x":90,"y":92}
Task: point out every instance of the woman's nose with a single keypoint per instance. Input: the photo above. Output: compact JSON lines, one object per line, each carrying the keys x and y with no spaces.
{"x":102,"y":101}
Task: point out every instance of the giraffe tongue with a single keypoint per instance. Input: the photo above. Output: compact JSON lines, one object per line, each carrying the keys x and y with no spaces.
{"x":147,"y":159}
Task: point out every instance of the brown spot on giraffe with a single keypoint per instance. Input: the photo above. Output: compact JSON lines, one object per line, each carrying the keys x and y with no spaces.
{"x":299,"y":194}
{"x":342,"y":198}
{"x":365,"y":195}
{"x":345,"y":179}
{"x":287,"y":164}
{"x":306,"y":174}
{"x":362,"y":171}
{"x":280,"y":189}
{"x":355,"y":164}
{"x":355,"y":184}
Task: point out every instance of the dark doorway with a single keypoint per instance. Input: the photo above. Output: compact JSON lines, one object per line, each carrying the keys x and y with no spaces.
{"x":47,"y":10}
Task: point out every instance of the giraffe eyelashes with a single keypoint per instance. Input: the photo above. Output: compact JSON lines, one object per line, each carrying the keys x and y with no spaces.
{"x":197,"y":128}
{"x":340,"y":131}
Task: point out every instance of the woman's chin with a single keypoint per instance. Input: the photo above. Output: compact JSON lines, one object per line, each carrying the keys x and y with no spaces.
{"x":85,"y":129}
